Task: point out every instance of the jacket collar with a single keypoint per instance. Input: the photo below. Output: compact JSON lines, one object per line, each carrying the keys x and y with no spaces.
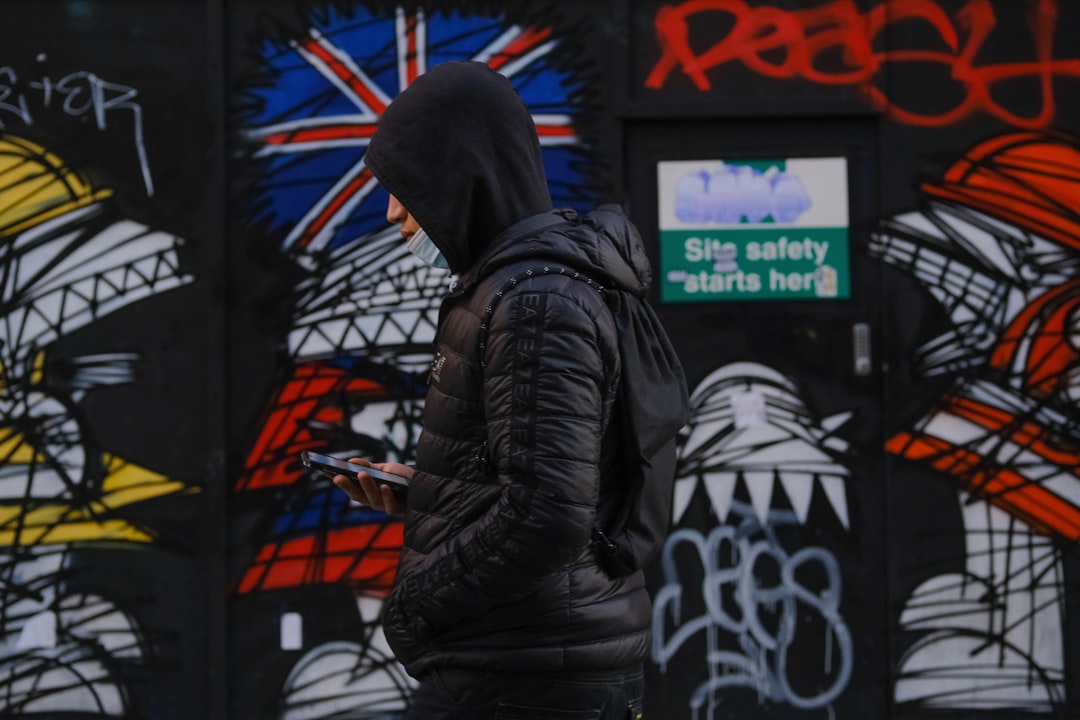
{"x":508,"y":246}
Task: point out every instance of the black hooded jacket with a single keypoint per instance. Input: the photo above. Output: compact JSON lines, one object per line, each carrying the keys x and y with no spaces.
{"x":517,"y":452}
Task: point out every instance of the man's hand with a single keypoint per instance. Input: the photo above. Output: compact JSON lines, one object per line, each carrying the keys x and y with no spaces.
{"x":363,"y":488}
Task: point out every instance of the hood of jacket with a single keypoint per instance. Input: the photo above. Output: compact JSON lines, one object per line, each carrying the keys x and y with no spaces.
{"x":458,"y":148}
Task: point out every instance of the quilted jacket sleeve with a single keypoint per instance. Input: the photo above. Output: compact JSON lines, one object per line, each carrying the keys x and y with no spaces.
{"x":548,"y":387}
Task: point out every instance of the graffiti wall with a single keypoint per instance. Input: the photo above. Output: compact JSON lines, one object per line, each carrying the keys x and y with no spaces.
{"x":973,"y":330}
{"x":109,"y":437}
{"x":864,"y":217}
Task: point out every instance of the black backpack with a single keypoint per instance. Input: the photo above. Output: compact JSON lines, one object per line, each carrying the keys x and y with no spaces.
{"x":639,"y":525}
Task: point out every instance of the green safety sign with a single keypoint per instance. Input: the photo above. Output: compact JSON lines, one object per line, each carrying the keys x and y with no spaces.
{"x":754,"y":230}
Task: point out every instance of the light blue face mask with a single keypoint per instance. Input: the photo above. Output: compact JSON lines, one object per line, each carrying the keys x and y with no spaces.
{"x":422,"y":247}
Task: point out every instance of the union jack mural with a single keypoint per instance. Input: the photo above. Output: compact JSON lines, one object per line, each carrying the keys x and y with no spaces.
{"x":364,"y":313}
{"x":331,"y":84}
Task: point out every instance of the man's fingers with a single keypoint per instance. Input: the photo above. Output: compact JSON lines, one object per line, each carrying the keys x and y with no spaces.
{"x":361,"y":489}
{"x":350,"y":487}
{"x":371,"y":490}
{"x":391,"y":504}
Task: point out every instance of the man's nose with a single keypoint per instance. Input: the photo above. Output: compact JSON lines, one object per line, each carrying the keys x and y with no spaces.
{"x":395,"y":211}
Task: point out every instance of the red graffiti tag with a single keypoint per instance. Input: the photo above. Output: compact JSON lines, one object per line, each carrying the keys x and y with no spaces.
{"x":803,"y":37}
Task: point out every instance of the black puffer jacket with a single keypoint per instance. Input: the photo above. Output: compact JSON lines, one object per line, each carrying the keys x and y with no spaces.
{"x":516,"y":455}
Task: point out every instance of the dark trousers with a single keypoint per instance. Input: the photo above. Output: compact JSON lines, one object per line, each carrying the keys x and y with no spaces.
{"x":453,"y":694}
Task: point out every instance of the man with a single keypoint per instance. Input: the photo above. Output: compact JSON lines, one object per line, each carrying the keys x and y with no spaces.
{"x":502,"y":607}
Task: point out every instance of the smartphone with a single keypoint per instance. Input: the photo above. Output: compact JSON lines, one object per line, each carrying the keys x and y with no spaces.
{"x":331,"y":466}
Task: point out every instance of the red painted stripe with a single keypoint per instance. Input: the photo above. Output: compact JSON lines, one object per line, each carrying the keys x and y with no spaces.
{"x":527,"y":40}
{"x":1020,"y":497}
{"x":321,"y":134}
{"x":323,"y":219}
{"x":356,"y":84}
{"x":411,"y":67}
{"x":554,"y":131}
{"x":1026,"y":434}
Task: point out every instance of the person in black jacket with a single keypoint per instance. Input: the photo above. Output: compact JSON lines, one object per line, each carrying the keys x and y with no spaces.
{"x":501,"y":606}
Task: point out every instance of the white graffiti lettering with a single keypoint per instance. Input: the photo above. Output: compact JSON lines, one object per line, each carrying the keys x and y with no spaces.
{"x":77,"y":94}
{"x":758,"y":603}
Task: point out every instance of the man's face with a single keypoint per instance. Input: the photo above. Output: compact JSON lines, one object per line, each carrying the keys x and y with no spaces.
{"x":398,"y":215}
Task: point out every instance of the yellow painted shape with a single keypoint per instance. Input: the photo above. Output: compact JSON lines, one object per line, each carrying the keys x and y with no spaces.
{"x":125,"y":484}
{"x":36,"y":185}
{"x":37,"y":374}
{"x":15,"y":450}
{"x":118,"y":530}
